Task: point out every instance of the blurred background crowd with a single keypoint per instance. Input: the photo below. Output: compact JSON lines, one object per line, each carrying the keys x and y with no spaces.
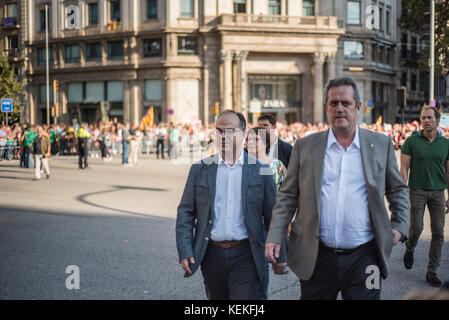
{"x":161,"y":140}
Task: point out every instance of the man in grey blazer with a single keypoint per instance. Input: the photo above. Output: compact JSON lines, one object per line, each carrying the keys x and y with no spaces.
{"x":342,"y":236}
{"x":227,"y":201}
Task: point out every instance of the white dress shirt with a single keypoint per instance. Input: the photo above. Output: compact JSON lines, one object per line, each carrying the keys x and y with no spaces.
{"x":345,"y":221}
{"x":227,"y":222}
{"x":274,"y":152}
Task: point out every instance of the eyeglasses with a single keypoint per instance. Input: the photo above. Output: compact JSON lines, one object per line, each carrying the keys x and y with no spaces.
{"x":227,"y":131}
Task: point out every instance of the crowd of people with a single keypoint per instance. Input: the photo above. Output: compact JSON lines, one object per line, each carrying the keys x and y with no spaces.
{"x":161,"y":141}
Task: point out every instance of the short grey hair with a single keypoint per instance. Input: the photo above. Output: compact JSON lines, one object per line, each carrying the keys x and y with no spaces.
{"x":338,"y":82}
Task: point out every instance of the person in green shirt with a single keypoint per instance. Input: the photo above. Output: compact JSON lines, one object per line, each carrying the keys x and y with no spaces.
{"x":426,"y":155}
{"x":27,"y":144}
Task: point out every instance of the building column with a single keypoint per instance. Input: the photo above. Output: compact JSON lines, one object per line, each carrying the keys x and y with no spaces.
{"x":133,"y":51}
{"x":226,"y":61}
{"x":331,"y":57}
{"x":126,"y":50}
{"x":204,"y":93}
{"x":127,"y":101}
{"x":318,"y":59}
{"x":241,"y":82}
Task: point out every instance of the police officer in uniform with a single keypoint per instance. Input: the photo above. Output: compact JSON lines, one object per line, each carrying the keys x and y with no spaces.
{"x":83,"y":136}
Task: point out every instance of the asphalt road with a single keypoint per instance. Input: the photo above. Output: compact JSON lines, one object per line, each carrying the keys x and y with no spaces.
{"x":117,"y":225}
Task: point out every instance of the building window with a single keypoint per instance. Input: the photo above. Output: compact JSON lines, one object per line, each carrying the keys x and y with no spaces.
{"x":187,"y":45}
{"x":151,"y":9}
{"x":353,"y":12}
{"x":353,"y":50}
{"x":94,"y":91}
{"x":381,"y":54}
{"x":42,"y":19}
{"x":115,"y":50}
{"x":404,"y":79}
{"x":404,"y":45}
{"x":41,"y":56}
{"x":115,"y":91}
{"x":93,"y":52}
{"x":187,"y":9}
{"x":414,"y":81}
{"x":72,"y":54}
{"x":381,"y":19}
{"x":43,"y":94}
{"x":274,"y":7}
{"x":387,"y":22}
{"x":239,"y":6}
{"x":75,"y":92}
{"x":308,"y":8}
{"x":11,"y":10}
{"x":153,"y":90}
{"x":152,"y":47}
{"x":12,"y":42}
{"x":374,"y":53}
{"x":93,"y":14}
{"x":388,"y":56}
{"x":115,"y":10}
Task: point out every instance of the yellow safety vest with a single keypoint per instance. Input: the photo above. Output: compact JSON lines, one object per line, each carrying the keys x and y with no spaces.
{"x":82,"y":133}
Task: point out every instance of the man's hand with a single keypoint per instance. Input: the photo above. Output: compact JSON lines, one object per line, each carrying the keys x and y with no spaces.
{"x":272,"y":251}
{"x":279,"y":268}
{"x":447,"y":206}
{"x":185,"y":264}
{"x":396,"y":236}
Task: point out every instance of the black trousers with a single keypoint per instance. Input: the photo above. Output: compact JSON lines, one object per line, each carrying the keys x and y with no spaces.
{"x":160,"y":148}
{"x":351,"y":273}
{"x":230,"y":274}
{"x":82,"y":154}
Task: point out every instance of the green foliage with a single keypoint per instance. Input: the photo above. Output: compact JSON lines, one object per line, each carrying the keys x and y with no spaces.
{"x":9,"y":88}
{"x":416,"y":17}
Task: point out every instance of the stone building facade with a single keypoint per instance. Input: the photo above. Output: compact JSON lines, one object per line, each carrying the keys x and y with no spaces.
{"x":189,"y":59}
{"x":183,"y":57}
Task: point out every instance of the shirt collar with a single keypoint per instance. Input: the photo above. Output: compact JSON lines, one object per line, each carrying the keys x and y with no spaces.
{"x":421,"y":134}
{"x":239,"y":161}
{"x":331,"y":139}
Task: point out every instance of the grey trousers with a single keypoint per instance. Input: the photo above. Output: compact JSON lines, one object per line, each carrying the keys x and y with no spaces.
{"x":436,"y":204}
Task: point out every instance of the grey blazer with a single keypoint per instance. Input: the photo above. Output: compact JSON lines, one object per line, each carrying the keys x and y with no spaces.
{"x":194,"y":219}
{"x":302,"y":190}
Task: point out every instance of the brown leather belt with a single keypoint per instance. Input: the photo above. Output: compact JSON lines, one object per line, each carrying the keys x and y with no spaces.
{"x":228,"y":244}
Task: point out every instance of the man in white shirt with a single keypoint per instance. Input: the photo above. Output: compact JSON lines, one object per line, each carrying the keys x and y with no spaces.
{"x":342,"y":235}
{"x":225,"y":206}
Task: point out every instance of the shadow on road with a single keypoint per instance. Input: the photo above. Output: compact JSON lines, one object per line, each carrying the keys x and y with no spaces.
{"x":83,"y":198}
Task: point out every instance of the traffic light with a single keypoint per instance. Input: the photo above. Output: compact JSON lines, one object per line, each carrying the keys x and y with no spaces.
{"x":216,"y":108}
{"x":58,"y":109}
{"x":55,"y":86}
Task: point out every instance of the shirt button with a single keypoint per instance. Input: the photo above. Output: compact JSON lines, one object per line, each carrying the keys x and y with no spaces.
{"x":210,"y":221}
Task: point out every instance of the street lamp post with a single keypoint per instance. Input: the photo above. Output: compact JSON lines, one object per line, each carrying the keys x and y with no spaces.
{"x":46,"y":64}
{"x":432,"y":51}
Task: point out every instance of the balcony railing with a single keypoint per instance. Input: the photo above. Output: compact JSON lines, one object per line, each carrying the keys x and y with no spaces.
{"x":254,"y":20}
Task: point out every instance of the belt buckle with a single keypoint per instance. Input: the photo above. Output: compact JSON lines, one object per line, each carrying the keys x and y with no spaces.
{"x":339,"y":250}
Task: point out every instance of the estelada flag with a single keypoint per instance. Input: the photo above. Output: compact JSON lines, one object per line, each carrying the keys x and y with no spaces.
{"x":368,"y":107}
{"x":148,"y":119}
{"x":379,"y":120}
